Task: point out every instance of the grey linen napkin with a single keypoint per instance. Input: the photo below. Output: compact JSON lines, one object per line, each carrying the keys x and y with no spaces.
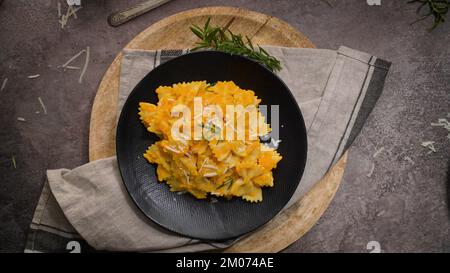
{"x":88,"y":209}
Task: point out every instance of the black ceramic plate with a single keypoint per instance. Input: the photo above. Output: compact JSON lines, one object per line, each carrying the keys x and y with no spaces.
{"x":184,"y":214}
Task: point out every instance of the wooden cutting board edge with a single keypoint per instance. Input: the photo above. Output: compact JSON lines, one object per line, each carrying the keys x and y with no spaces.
{"x":292,"y":223}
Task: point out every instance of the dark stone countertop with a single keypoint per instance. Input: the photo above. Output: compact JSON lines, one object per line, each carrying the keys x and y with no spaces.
{"x":403,"y":206}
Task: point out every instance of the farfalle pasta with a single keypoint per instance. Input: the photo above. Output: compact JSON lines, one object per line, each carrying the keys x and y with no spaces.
{"x":218,"y":163}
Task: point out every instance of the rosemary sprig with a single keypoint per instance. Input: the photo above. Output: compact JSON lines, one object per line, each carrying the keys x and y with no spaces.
{"x":437,"y":8}
{"x":224,"y":40}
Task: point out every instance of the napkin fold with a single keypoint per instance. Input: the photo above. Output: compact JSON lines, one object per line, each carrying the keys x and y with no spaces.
{"x":88,"y":208}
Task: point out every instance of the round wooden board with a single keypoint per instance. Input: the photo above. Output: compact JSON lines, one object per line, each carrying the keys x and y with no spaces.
{"x":172,"y":32}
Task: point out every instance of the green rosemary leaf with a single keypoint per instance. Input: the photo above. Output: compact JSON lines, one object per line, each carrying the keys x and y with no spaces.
{"x":225,"y":40}
{"x":437,"y":8}
{"x":250,"y":43}
{"x":263,"y":51}
{"x":197,"y":32}
{"x":13,"y":159}
{"x":207,"y":24}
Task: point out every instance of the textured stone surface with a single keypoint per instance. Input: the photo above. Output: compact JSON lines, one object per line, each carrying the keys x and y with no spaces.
{"x":403,"y":206}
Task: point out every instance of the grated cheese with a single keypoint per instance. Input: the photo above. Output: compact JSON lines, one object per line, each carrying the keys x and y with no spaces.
{"x":21,"y":119}
{"x":65,"y":17}
{"x":381,"y":213}
{"x":170,"y":148}
{"x":444,"y":123}
{"x":42,"y":105}
{"x":86,"y":63}
{"x":371,"y":170}
{"x":59,"y":9}
{"x":429,"y":145}
{"x":210,"y":167}
{"x":34,"y":76}
{"x":73,"y":58}
{"x":74,"y":2}
{"x":70,"y":8}
{"x":4,"y":84}
{"x":186,"y":175}
{"x":210,"y":174}
{"x":73,"y":12}
{"x":204,"y":161}
{"x":265,"y":148}
{"x":72,"y":67}
{"x":378,"y":152}
{"x":265,"y":137}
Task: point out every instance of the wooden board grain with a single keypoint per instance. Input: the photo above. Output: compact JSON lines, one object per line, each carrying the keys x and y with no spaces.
{"x":172,"y":32}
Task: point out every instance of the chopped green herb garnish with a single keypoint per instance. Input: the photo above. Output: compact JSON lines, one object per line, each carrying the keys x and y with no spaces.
{"x":227,"y":183}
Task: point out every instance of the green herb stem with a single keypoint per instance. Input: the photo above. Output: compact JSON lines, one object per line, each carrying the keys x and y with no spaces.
{"x":224,"y":40}
{"x":437,"y":8}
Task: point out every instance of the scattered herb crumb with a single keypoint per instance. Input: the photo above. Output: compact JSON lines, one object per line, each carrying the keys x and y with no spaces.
{"x":42,"y":105}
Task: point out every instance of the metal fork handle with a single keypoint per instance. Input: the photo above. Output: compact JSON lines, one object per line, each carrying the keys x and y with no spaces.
{"x":118,"y":18}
